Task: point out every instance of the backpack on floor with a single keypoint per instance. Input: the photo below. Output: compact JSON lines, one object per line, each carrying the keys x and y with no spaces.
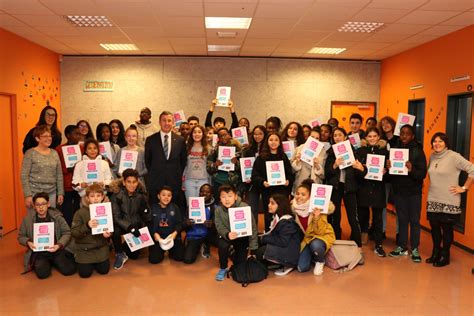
{"x":344,"y":255}
{"x":250,"y":271}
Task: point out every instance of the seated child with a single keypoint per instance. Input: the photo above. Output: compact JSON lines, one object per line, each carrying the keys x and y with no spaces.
{"x":92,"y":251}
{"x":165,"y":227}
{"x":130,"y":211}
{"x":201,"y":235}
{"x":228,"y":241}
{"x":318,"y":233}
{"x":60,"y":255}
{"x":281,"y":245}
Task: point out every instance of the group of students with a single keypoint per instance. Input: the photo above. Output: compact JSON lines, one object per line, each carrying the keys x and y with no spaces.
{"x":294,"y":235}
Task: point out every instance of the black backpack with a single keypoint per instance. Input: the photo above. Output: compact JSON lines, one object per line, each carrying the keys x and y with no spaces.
{"x":250,"y":271}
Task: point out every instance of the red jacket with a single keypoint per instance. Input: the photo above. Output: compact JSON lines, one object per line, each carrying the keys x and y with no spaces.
{"x":67,"y":173}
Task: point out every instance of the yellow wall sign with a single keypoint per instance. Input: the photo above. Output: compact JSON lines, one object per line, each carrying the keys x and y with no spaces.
{"x":98,"y":86}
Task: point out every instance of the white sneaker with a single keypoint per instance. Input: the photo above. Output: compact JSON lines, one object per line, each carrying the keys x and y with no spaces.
{"x":318,"y":268}
{"x":283,"y":271}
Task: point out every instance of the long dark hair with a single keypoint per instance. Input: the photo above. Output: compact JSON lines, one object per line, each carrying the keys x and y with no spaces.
{"x":98,"y":132}
{"x":299,"y":136}
{"x":254,"y":147}
{"x":121,"y":136}
{"x":190,"y":142}
{"x":284,"y":207}
{"x":90,"y":134}
{"x":42,"y":120}
{"x":265,"y":150}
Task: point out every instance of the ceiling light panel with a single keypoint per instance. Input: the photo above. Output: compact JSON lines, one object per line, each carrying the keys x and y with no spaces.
{"x":223,"y":48}
{"x":326,"y":50}
{"x":88,"y":20}
{"x":227,"y":23}
{"x":119,"y":47}
{"x":360,"y":27}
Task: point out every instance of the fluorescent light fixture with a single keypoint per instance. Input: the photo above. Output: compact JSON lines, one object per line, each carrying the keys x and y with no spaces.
{"x":119,"y":46}
{"x":88,"y":20}
{"x":461,"y":78}
{"x":417,"y":86}
{"x":326,"y":50}
{"x":226,"y":34}
{"x":360,"y":27}
{"x":227,"y":23}
{"x":223,"y":48}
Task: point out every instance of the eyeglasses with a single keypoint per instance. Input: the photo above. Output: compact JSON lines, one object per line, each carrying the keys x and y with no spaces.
{"x":41,"y":204}
{"x":51,"y":114}
{"x":46,"y":136}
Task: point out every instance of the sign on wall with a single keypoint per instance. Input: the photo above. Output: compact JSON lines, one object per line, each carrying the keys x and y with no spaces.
{"x":98,"y":86}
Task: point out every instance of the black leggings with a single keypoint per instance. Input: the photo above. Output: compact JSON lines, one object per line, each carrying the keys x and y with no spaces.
{"x":442,"y":232}
{"x":85,"y":269}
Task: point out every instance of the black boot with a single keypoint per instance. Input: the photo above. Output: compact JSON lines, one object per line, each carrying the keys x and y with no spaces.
{"x":443,"y":259}
{"x":434,"y":256}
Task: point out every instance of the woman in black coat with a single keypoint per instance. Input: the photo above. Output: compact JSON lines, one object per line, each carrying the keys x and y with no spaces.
{"x":371,"y":193}
{"x":281,"y":245}
{"x":49,"y":117}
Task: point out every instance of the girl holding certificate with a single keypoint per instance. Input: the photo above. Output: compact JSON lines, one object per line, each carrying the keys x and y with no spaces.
{"x":195,"y":174}
{"x":104,"y":133}
{"x":407,"y":194}
{"x":293,"y":131}
{"x":371,"y":194}
{"x":272,"y":150}
{"x":131,"y":136}
{"x":345,"y":187}
{"x":86,"y":174}
{"x":444,"y":196}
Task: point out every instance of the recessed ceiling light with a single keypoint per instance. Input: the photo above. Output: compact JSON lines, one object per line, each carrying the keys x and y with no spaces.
{"x":223,"y":48}
{"x":119,"y":46}
{"x":227,"y":23}
{"x":226,"y":34}
{"x":88,"y":20}
{"x":326,"y":50}
{"x":360,"y":27}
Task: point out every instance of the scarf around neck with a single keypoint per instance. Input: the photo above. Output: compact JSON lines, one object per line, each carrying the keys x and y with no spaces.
{"x":300,"y":209}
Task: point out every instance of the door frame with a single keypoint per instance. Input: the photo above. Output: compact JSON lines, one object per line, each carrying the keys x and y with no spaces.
{"x":16,"y":156}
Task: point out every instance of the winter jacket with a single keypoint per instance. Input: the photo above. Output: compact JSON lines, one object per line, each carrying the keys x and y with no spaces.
{"x":62,"y":233}
{"x":283,"y":242}
{"x":223,"y":224}
{"x":89,"y":248}
{"x":199,"y":231}
{"x":129,"y":210}
{"x":220,"y":176}
{"x":166,"y":220}
{"x":259,"y":175}
{"x":333,"y":175}
{"x":412,"y":183}
{"x":319,"y":228}
{"x":371,"y":193}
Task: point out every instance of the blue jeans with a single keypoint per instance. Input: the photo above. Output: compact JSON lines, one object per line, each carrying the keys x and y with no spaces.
{"x":192,"y":187}
{"x":316,"y":249}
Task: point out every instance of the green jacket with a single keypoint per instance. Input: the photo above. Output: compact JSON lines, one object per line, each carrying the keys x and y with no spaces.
{"x":89,"y":248}
{"x":62,"y":233}
{"x":223,"y":225}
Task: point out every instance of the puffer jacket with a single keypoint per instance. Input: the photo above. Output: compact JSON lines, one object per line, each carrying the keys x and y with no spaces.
{"x":62,"y":234}
{"x":129,"y":210}
{"x":89,"y":248}
{"x":319,"y":228}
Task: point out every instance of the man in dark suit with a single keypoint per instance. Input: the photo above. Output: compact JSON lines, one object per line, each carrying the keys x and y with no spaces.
{"x":165,"y":159}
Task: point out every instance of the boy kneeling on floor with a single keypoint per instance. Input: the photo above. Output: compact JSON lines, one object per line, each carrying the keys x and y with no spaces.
{"x":228,"y":241}
{"x":60,"y":255}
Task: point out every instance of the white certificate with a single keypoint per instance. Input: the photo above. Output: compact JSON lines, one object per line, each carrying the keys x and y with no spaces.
{"x":344,"y":150}
{"x":197,"y":209}
{"x":240,"y":219}
{"x":240,"y":134}
{"x":354,"y":139}
{"x":179,"y":118}
{"x":43,"y":236}
{"x":106,"y":150}
{"x":128,"y":160}
{"x":72,"y":155}
{"x":375,"y":165}
{"x":398,"y":159}
{"x":289,"y":148}
{"x":92,"y":170}
{"x":223,"y":96}
{"x":102,"y":212}
{"x":246,"y":166}
{"x":320,"y":197}
{"x":311,"y":149}
{"x":403,"y":119}
{"x":275,"y":172}
{"x":314,"y":123}
{"x":137,"y":243}
{"x":225,"y":154}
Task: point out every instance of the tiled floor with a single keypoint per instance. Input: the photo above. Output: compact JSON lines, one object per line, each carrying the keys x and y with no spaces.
{"x":383,"y":286}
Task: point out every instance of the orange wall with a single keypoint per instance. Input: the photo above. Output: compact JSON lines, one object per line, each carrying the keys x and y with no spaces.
{"x":31,"y":72}
{"x":432,"y":65}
